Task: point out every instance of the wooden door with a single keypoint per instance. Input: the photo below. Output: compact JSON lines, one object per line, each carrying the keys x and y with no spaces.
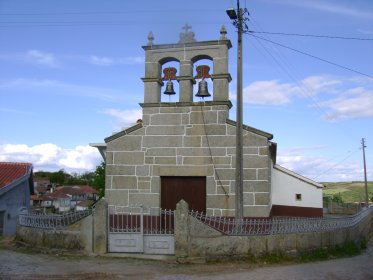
{"x":191,"y":189}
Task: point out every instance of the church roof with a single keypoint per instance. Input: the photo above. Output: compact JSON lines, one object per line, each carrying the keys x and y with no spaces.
{"x":253,"y":130}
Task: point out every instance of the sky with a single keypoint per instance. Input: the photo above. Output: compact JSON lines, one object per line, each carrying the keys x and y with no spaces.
{"x":70,"y":75}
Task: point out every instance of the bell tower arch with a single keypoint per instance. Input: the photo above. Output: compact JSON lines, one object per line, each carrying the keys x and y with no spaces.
{"x":187,"y":51}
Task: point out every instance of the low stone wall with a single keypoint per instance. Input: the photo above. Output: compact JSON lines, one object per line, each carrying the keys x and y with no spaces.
{"x":195,"y":239}
{"x":88,"y":235}
{"x":70,"y":238}
{"x":343,"y":209}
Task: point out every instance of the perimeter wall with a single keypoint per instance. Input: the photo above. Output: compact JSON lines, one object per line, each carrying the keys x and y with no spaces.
{"x":195,"y":239}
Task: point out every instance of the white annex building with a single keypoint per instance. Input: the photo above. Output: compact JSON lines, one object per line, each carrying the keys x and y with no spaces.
{"x":186,"y":149}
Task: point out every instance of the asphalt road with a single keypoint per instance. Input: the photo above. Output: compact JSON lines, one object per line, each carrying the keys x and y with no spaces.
{"x":15,"y":264}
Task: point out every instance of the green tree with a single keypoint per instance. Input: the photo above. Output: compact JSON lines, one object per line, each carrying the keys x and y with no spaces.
{"x":58,"y":177}
{"x":337,"y":198}
{"x":99,"y":179}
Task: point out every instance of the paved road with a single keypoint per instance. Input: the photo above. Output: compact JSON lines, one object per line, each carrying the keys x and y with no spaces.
{"x":16,"y":265}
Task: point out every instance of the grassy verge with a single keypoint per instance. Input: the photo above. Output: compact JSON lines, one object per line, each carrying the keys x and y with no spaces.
{"x":349,"y":191}
{"x":347,"y":249}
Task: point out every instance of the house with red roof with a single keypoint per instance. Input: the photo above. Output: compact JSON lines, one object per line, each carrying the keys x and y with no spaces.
{"x":66,"y":198}
{"x":16,"y":187}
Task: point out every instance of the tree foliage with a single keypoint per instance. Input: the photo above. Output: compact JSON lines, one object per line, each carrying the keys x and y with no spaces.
{"x":62,"y":178}
{"x":95,"y":179}
{"x":99,"y":179}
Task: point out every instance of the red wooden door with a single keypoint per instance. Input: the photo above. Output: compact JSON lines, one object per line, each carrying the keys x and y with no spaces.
{"x":191,"y":189}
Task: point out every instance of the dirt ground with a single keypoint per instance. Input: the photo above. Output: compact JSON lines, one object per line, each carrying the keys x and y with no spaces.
{"x":24,"y":264}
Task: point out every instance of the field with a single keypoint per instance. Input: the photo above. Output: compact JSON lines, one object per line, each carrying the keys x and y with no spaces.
{"x":349,"y":191}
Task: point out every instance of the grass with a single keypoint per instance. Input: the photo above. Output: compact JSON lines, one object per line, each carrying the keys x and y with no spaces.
{"x":349,"y":191}
{"x":348,"y":249}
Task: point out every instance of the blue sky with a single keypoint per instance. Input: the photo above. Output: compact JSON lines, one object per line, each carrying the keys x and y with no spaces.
{"x":70,"y":75}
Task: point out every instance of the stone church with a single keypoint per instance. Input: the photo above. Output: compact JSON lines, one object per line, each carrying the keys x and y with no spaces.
{"x":186,"y":149}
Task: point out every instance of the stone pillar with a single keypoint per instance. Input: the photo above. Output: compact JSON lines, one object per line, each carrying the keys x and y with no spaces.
{"x":221,"y":76}
{"x":100,"y":227}
{"x":221,"y":86}
{"x":152,"y":80}
{"x":182,"y":229}
{"x":186,"y":81}
{"x":152,"y":90}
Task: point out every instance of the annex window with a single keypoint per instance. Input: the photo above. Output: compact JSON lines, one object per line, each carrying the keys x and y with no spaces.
{"x":298,"y":196}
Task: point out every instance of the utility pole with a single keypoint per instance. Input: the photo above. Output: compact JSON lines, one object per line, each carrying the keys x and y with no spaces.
{"x":239,"y":19}
{"x":365,"y":174}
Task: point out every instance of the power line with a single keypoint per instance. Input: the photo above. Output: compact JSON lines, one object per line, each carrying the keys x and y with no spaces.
{"x":310,"y":55}
{"x":110,"y":12}
{"x":304,"y":89}
{"x":313,"y":35}
{"x":335,"y":165}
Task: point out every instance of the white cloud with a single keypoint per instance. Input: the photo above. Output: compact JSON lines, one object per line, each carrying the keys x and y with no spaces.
{"x":35,"y":57}
{"x":320,"y":168}
{"x":339,"y":98}
{"x":317,"y":84}
{"x":102,"y":61}
{"x":107,"y":61}
{"x":50,"y":157}
{"x":268,"y":92}
{"x":274,"y":92}
{"x":41,"y":58}
{"x":15,"y":111}
{"x":334,"y":8}
{"x":57,"y":87}
{"x":364,"y":31}
{"x":125,"y":117}
{"x":350,"y":107}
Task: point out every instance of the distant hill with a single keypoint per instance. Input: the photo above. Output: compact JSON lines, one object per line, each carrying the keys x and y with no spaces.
{"x":349,"y":191}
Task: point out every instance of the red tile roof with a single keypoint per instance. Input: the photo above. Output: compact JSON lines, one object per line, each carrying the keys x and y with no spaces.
{"x":67,"y":191}
{"x":88,"y":189}
{"x":11,"y":171}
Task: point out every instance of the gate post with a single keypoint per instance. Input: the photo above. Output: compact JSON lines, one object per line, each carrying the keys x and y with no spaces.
{"x":182,"y":229}
{"x":100,"y":227}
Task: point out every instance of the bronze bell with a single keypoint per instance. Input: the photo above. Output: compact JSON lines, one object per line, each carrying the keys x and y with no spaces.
{"x":202,"y":89}
{"x":169,"y":88}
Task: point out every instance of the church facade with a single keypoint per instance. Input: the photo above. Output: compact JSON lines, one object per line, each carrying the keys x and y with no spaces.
{"x":186,"y":149}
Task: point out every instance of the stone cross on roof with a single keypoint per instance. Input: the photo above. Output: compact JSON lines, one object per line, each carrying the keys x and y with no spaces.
{"x":186,"y":27}
{"x":187,"y":36}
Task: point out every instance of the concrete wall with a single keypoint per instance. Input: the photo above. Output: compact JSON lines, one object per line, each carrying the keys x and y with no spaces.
{"x":287,"y":186}
{"x":195,"y":239}
{"x":343,"y":209}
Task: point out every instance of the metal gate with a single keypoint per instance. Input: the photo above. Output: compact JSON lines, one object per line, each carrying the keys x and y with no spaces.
{"x":139,"y":230}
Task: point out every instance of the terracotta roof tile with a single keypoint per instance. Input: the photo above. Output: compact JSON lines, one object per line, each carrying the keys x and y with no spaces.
{"x":11,"y":171}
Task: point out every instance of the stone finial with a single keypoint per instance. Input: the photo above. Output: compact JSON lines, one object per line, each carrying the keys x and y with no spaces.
{"x":223,"y":33}
{"x":187,"y":36}
{"x":150,"y":38}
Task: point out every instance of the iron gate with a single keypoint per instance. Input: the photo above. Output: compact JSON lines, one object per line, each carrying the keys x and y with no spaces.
{"x":138,"y":230}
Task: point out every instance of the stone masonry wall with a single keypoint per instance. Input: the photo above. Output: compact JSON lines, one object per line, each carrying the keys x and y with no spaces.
{"x":88,"y":235}
{"x":194,"y":239}
{"x":172,"y":142}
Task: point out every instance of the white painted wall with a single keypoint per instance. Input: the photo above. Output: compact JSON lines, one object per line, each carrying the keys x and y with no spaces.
{"x":286,"y":184}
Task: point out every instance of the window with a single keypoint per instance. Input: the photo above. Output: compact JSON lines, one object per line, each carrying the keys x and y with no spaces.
{"x":298,"y":196}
